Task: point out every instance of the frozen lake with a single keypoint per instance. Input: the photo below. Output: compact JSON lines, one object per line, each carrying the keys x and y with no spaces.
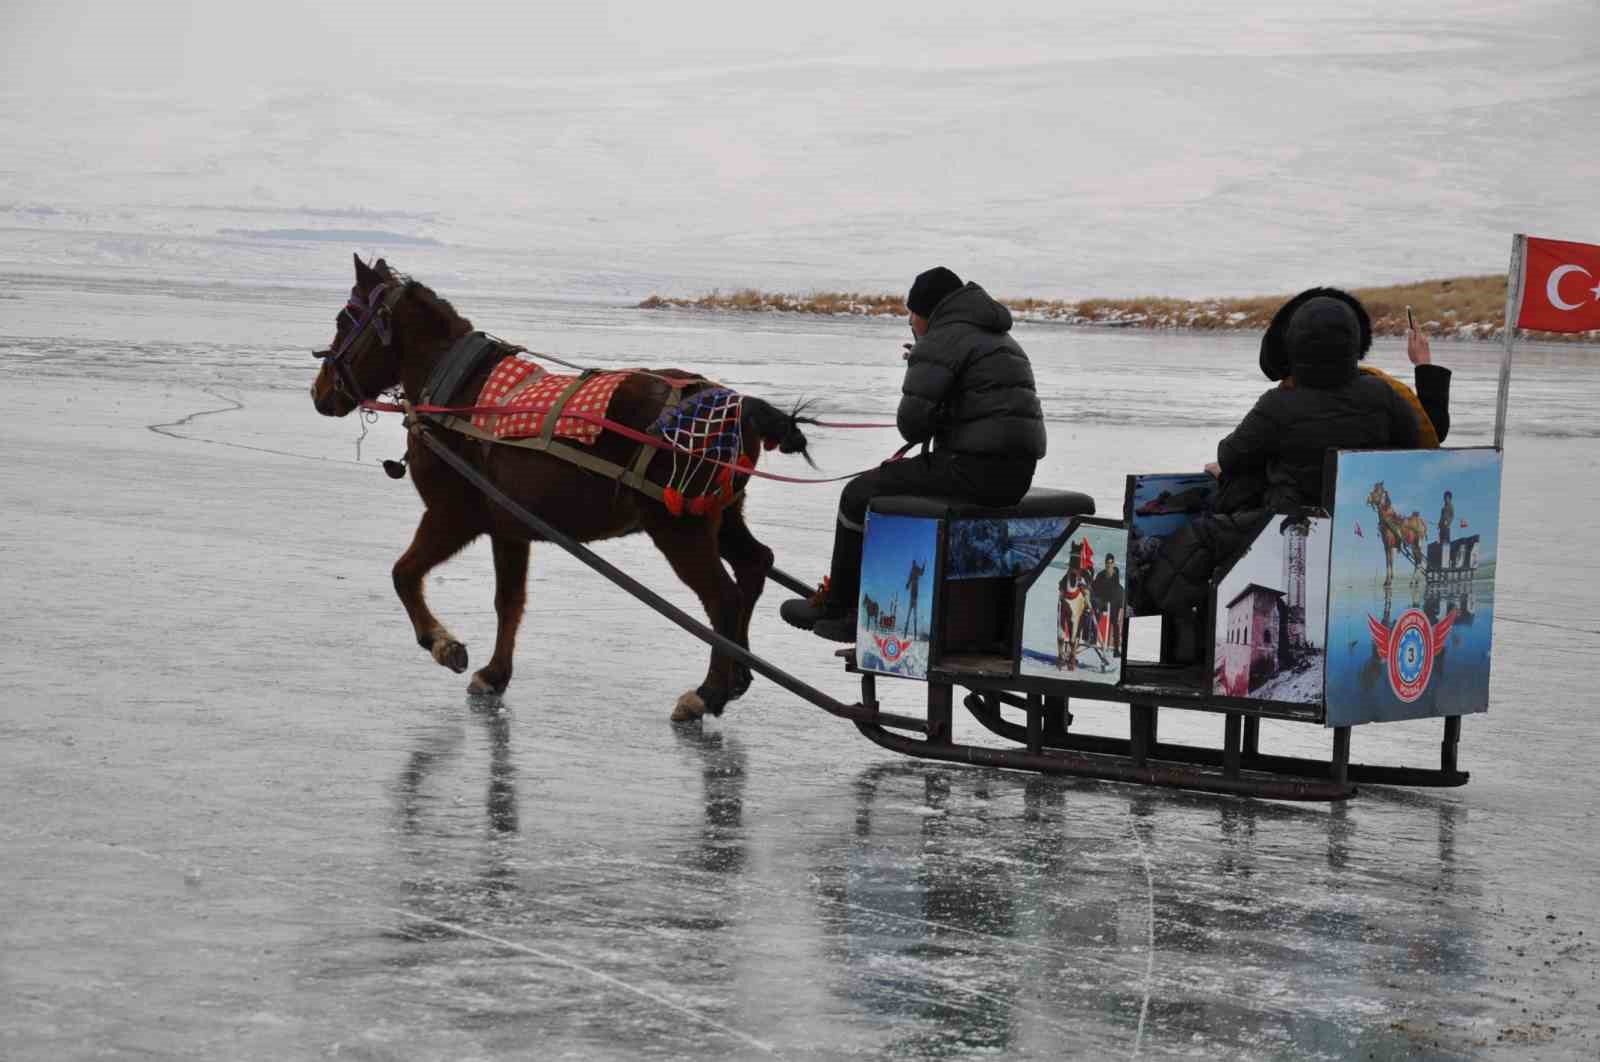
{"x":244,"y":816}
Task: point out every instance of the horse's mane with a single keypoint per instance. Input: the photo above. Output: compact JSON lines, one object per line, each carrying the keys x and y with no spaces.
{"x":439,"y":306}
{"x":431,"y":300}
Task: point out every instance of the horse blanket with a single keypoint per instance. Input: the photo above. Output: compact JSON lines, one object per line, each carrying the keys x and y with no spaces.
{"x":520,"y":382}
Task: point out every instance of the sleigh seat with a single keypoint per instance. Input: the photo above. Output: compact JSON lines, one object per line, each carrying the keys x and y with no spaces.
{"x":973,"y":611}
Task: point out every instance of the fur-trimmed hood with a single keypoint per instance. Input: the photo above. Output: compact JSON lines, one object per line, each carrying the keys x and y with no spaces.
{"x":1322,"y":347}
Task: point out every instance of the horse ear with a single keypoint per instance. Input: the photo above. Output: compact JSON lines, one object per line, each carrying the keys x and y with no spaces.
{"x":381,"y":268}
{"x":364,"y":273}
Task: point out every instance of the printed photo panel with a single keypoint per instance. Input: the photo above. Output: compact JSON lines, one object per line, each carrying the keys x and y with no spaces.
{"x":1074,"y":614}
{"x":1411,"y":609}
{"x":894,"y":621}
{"x":1158,"y":506}
{"x":990,"y":548}
{"x":1271,"y":616}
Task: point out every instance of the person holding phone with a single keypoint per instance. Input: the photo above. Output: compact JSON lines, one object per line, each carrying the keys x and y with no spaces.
{"x":1274,"y":460}
{"x":1429,"y":400}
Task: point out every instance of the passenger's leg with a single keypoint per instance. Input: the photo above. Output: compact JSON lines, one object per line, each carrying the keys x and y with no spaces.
{"x":925,"y":475}
{"x":928,"y":475}
{"x":990,"y":481}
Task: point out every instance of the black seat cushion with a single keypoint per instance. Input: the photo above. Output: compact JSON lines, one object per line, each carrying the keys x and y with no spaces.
{"x":1039,"y":501}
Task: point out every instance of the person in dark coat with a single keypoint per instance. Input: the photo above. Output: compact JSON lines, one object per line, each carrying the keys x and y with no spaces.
{"x":1108,"y":600}
{"x":968,"y":397}
{"x":1432,"y":390}
{"x":1274,"y":460}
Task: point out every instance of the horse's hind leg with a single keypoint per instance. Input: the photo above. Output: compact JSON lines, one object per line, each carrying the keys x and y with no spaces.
{"x":690,"y":546}
{"x":438,"y":538}
{"x":750,"y":561}
{"x":510,"y":595}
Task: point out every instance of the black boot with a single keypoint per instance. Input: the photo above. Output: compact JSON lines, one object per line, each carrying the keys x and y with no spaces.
{"x":835,"y":599}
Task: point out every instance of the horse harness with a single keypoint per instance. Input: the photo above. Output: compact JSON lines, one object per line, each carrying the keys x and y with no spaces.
{"x":371,"y":317}
{"x":475,"y":352}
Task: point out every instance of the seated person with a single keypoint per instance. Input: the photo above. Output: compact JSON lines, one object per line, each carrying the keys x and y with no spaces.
{"x":1431,"y":399}
{"x":1274,"y":460}
{"x":969,"y":392}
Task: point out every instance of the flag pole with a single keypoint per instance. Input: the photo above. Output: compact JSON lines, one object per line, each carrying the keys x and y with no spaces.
{"x":1514,"y":279}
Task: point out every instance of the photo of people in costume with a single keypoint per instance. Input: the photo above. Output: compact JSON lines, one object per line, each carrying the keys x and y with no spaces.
{"x":1075,"y":610}
{"x":1415,"y":538}
{"x":1160,"y":506}
{"x":895,"y":615}
{"x":1272,"y":614}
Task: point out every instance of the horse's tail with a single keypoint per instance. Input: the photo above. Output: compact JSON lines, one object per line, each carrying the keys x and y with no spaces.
{"x":775,"y":428}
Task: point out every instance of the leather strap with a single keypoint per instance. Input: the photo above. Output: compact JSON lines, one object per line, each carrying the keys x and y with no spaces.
{"x":573,"y":455}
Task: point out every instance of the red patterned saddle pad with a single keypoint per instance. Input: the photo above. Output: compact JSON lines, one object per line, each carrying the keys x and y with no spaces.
{"x":519,"y":381}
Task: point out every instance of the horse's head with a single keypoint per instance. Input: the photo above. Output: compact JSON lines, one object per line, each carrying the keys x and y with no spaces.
{"x":390,"y":326}
{"x":1378,"y":498}
{"x":775,"y":428}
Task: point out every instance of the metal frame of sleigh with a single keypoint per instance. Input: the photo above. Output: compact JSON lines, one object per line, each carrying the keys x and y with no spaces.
{"x":1356,"y":613}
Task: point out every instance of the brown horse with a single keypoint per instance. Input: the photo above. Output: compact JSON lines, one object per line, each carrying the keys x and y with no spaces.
{"x":392,"y":334}
{"x":1404,"y":533}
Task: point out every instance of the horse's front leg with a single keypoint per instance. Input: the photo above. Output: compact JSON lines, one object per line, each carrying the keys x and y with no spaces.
{"x":510,"y":595}
{"x":690,"y":546}
{"x":438,"y":538}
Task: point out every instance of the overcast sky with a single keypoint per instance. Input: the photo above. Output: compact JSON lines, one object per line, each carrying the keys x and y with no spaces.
{"x":164,"y":44}
{"x":1066,"y":146}
{"x":50,"y":45}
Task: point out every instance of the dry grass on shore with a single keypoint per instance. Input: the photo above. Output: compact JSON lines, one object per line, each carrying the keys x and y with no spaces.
{"x":1461,"y":307}
{"x":752,"y":300}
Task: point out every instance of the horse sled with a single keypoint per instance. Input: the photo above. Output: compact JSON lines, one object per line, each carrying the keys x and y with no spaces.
{"x":1365,"y":610}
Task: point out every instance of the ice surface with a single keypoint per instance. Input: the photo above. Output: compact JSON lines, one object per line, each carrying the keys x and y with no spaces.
{"x":244,"y":816}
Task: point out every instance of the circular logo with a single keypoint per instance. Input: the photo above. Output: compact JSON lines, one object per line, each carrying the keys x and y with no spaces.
{"x":1410,"y":655}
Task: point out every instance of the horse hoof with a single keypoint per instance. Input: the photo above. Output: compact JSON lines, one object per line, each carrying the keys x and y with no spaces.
{"x":689,"y":706}
{"x":450,"y":653}
{"x":486,"y":682}
{"x":713,"y":698}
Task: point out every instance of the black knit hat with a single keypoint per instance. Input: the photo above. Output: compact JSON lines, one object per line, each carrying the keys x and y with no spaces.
{"x":930,"y":288}
{"x":1323,"y":341}
{"x":1274,"y":346}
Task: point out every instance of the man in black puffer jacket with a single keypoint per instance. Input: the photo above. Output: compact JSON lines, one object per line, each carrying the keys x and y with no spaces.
{"x":969,"y":393}
{"x":1274,"y":460}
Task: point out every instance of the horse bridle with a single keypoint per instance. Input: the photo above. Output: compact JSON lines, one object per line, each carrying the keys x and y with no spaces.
{"x":371,"y":317}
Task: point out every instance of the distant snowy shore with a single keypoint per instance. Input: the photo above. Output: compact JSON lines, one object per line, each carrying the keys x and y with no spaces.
{"x":1455,"y":308}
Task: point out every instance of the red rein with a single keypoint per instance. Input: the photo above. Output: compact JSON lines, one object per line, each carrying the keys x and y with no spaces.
{"x":631,"y":433}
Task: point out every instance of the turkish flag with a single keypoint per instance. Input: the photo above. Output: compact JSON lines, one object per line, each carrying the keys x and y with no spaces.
{"x":1561,"y":286}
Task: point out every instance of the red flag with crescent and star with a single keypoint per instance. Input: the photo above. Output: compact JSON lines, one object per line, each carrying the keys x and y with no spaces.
{"x":1561,"y":286}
